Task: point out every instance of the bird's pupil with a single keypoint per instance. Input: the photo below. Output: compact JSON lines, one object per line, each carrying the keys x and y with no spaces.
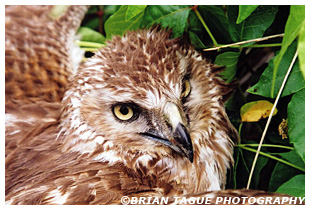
{"x":124,"y":110}
{"x":183,"y":87}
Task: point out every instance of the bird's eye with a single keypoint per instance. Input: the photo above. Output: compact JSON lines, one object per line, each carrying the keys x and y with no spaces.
{"x":123,"y":112}
{"x":186,"y":89}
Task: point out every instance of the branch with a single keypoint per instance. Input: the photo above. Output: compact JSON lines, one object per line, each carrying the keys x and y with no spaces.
{"x":244,"y":42}
{"x":265,"y":145}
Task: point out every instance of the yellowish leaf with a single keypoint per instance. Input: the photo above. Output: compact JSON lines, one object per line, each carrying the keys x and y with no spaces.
{"x":254,"y":111}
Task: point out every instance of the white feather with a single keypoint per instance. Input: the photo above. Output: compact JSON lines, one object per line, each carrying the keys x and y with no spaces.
{"x":109,"y":156}
{"x":56,"y":197}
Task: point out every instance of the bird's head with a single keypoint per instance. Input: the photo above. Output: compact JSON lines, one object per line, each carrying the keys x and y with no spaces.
{"x":145,"y":97}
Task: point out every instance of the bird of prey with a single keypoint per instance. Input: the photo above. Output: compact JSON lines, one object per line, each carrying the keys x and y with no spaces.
{"x":143,"y":117}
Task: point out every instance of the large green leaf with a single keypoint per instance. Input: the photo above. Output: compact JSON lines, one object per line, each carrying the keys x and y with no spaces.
{"x":230,"y":60}
{"x":294,"y":83}
{"x":174,"y":17}
{"x":292,"y":29}
{"x":254,"y":26}
{"x":296,"y":122}
{"x":118,"y":25}
{"x":133,"y":10}
{"x":90,"y":35}
{"x":295,"y":186}
{"x":244,"y":12}
{"x":282,"y":172}
{"x":301,"y":50}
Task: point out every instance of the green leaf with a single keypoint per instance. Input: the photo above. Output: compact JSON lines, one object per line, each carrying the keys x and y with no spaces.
{"x":195,"y":29}
{"x":118,"y":25}
{"x":295,"y":186}
{"x":90,"y":35}
{"x":230,"y":60}
{"x":294,"y":83}
{"x":293,"y":26}
{"x":134,"y":10}
{"x":174,"y":17}
{"x":296,"y":122}
{"x":282,"y":172}
{"x":217,"y":22}
{"x":92,"y":21}
{"x":260,"y":164}
{"x":244,"y":12}
{"x":196,"y":41}
{"x":254,"y":26}
{"x":301,"y":50}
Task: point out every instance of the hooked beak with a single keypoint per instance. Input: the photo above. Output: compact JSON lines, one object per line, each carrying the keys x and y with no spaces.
{"x":178,"y":139}
{"x":182,"y":137}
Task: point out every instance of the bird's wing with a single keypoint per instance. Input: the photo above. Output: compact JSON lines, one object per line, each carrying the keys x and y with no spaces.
{"x":39,"y":173}
{"x":39,"y":49}
{"x":25,"y":121}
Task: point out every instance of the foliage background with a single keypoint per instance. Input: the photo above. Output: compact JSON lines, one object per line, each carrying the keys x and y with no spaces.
{"x":258,"y":68}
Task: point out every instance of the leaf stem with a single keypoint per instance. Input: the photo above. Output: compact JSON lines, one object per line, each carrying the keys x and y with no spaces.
{"x":274,"y":158}
{"x":256,"y":46}
{"x":270,"y":117}
{"x":89,"y":49}
{"x":244,"y":42}
{"x":240,"y":130}
{"x":205,"y":26}
{"x":235,"y":168}
{"x":100,"y":15}
{"x":89,"y":44}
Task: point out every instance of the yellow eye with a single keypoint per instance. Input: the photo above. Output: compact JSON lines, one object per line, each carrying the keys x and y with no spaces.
{"x":123,"y":112}
{"x":186,"y":89}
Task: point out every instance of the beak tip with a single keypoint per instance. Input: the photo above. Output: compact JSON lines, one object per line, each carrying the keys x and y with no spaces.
{"x":190,"y":157}
{"x":183,"y":138}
